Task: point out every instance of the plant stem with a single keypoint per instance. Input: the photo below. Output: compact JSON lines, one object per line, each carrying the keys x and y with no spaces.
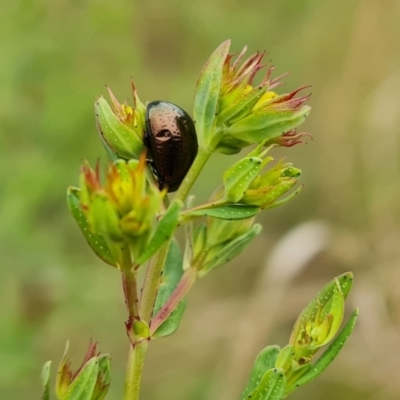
{"x":134,"y":370}
{"x":130,"y":292}
{"x":202,"y":157}
{"x":150,"y":287}
{"x":151,"y":283}
{"x":129,"y":282}
{"x":153,"y":273}
{"x":137,"y":352}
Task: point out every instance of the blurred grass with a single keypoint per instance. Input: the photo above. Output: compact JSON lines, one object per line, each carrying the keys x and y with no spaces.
{"x":56,"y":58}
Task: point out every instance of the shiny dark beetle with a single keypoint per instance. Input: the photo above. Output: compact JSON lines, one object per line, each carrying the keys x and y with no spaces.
{"x":171,"y":141}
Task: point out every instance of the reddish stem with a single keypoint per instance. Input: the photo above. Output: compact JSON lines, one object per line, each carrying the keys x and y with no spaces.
{"x":130,"y":292}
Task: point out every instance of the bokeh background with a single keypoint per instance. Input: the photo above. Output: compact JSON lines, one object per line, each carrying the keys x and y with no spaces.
{"x":57,"y":56}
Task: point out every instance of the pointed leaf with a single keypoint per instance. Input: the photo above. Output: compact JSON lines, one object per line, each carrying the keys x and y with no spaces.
{"x":229,"y":212}
{"x":173,"y":271}
{"x":268,"y":125}
{"x":287,"y":198}
{"x":207,"y":94}
{"x":104,"y":377}
{"x":165,"y":229}
{"x":329,"y":355}
{"x":223,"y":253}
{"x":271,"y":387}
{"x":95,"y":241}
{"x":285,"y":358}
{"x":46,"y":380}
{"x":64,"y":374}
{"x":238,"y":178}
{"x":245,"y":103}
{"x":222,"y":230}
{"x":265,"y":360}
{"x":108,"y":149}
{"x":83,"y":385}
{"x":335,"y":311}
{"x":346,"y":283}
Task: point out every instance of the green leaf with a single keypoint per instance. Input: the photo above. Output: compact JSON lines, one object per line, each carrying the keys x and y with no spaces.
{"x":334,"y":312}
{"x":268,"y":125}
{"x":229,"y":212}
{"x":104,"y":219}
{"x":229,"y":145}
{"x":83,"y":385}
{"x":104,"y":377}
{"x":163,"y":232}
{"x":63,"y":375}
{"x":265,"y":360}
{"x":238,"y":178}
{"x":285,"y":358}
{"x":207,"y":94}
{"x":173,"y":271}
{"x":224,"y":252}
{"x":346,"y":283}
{"x":108,"y":149}
{"x":271,"y":387}
{"x":287,"y":198}
{"x":234,"y":111}
{"x":122,"y":140}
{"x":189,"y":245}
{"x":220,"y":230}
{"x":329,"y":355}
{"x":95,"y":241}
{"x":46,"y":380}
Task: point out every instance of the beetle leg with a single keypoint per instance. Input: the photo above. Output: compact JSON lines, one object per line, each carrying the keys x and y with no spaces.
{"x":160,"y":179}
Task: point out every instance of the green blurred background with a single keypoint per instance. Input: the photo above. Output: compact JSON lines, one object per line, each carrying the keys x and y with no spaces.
{"x":57,"y":56}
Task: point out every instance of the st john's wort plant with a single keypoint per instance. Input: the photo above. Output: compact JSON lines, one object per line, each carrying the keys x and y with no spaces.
{"x":129,"y":221}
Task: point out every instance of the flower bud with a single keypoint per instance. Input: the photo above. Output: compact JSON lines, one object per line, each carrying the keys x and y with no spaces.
{"x":232,"y":113}
{"x":245,"y":183}
{"x":319,"y":322}
{"x":122,"y":212}
{"x":91,"y":378}
{"x":121,"y":126}
{"x":125,"y":207}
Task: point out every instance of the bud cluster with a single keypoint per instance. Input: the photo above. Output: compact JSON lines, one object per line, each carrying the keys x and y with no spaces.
{"x":316,"y":326}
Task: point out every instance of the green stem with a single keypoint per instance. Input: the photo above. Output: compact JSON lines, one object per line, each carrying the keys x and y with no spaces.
{"x":202,"y":157}
{"x":154,"y":269}
{"x":137,"y":352}
{"x":150,"y":287}
{"x":129,"y":282}
{"x":151,"y":283}
{"x":130,"y":291}
{"x":134,"y":370}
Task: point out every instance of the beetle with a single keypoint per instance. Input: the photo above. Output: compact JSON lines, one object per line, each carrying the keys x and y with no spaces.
{"x":171,"y":140}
